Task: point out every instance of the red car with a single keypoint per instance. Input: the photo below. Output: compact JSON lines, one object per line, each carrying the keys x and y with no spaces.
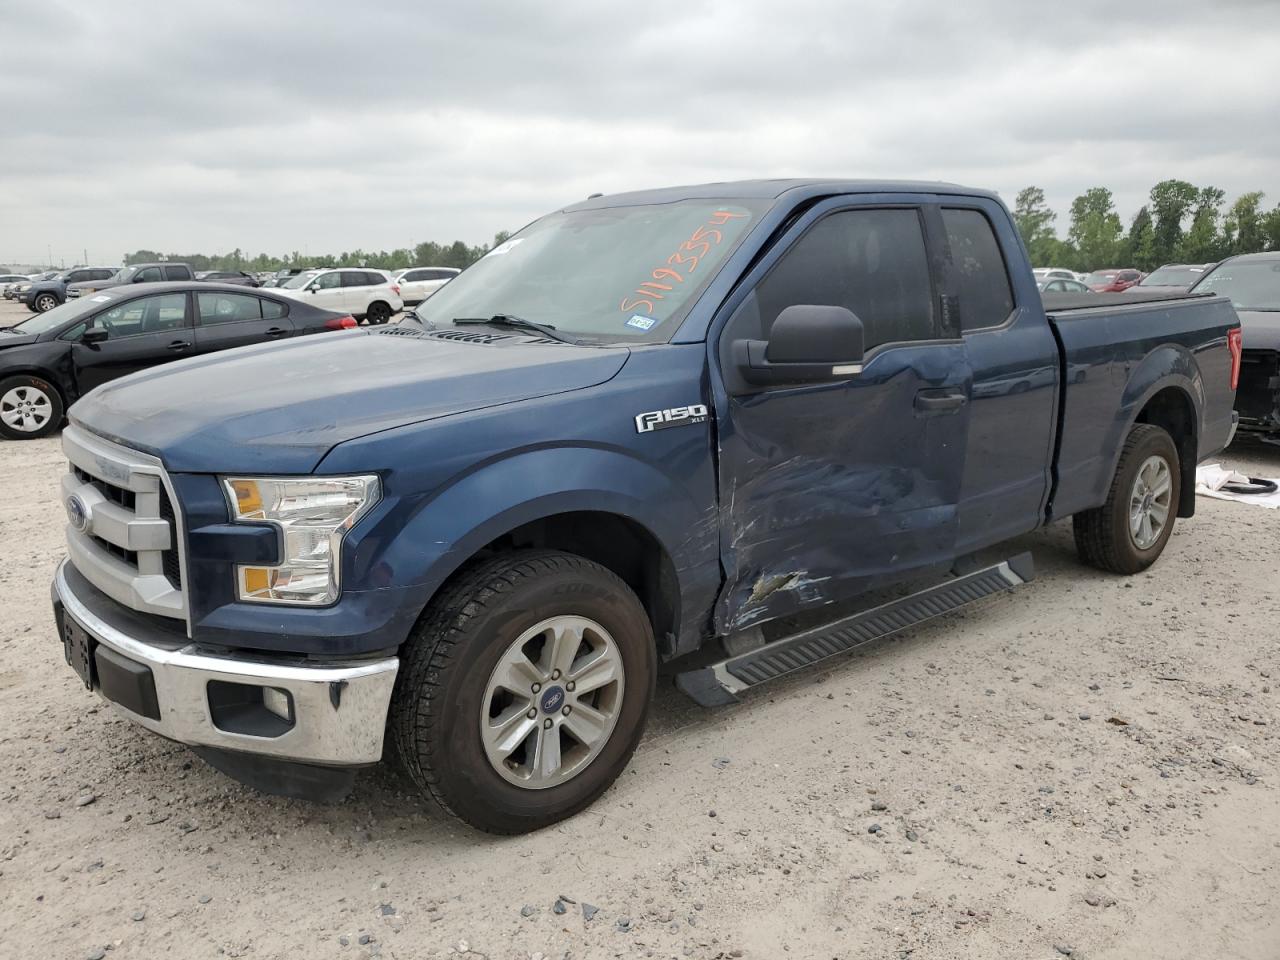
{"x":1112,"y":281}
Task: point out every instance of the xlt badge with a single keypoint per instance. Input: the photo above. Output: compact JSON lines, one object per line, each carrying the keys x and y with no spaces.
{"x":671,"y":417}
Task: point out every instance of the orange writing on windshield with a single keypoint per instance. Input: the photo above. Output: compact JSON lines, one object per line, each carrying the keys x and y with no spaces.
{"x":679,"y":266}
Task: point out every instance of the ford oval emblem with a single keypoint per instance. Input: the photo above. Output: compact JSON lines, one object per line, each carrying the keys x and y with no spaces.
{"x":552,"y":697}
{"x":77,"y":513}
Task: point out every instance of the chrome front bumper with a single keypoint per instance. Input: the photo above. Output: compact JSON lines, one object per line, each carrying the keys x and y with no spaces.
{"x":338,"y":712}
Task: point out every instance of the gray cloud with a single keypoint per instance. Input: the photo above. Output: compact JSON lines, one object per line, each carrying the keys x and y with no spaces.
{"x":326,"y":126}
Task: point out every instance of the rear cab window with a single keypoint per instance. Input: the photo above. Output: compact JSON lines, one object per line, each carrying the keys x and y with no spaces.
{"x":979,"y":274}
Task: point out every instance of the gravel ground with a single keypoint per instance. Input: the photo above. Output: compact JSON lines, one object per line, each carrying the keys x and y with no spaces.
{"x":1086,"y":767}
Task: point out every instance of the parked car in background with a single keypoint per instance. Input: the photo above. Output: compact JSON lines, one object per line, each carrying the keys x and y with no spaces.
{"x":43,"y":295}
{"x":6,"y":278}
{"x":364,"y":293}
{"x":1062,"y":285}
{"x":1050,"y":273}
{"x":238,"y":277}
{"x":49,"y":361}
{"x":136,"y":273}
{"x":286,"y":273}
{"x":1112,"y":281}
{"x":418,"y":283}
{"x":1252,"y":282}
{"x":1171,"y":278}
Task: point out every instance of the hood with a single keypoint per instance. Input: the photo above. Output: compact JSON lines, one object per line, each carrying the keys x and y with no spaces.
{"x":1260,"y":329}
{"x":279,"y":408}
{"x":48,"y":285}
{"x":94,"y":285}
{"x":16,"y":339}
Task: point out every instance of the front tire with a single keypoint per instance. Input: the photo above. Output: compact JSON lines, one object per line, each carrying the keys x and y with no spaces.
{"x":1129,"y":531}
{"x":379,"y":313}
{"x":45,"y":302}
{"x":30,"y":408}
{"x":524,"y":689}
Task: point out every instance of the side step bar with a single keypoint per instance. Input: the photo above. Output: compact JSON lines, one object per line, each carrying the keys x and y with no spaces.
{"x":720,"y":683}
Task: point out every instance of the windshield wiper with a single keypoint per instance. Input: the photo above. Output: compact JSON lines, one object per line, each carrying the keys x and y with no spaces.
{"x":517,"y":323}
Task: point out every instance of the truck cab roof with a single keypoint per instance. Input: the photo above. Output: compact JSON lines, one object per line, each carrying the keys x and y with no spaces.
{"x":799,"y":187}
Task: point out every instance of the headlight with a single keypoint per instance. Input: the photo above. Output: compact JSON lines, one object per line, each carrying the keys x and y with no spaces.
{"x":313,"y":514}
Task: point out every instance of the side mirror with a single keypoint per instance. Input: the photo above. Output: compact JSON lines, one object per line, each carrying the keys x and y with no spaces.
{"x":95,"y":335}
{"x":807,"y":344}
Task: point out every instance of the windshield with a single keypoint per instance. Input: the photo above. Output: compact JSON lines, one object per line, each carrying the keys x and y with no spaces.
{"x":603,"y":275}
{"x":1100,"y":277}
{"x":1173,"y":277}
{"x":298,"y":282}
{"x":123,"y":274}
{"x":52,"y":319}
{"x":1251,"y":284}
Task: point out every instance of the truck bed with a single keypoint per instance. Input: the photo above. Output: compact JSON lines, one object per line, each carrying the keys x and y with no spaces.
{"x":1115,"y":348}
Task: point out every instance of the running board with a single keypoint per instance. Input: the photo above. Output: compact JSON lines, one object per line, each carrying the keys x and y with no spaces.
{"x":720,"y":683}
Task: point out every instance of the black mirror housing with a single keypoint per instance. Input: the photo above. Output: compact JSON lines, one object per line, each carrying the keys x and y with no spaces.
{"x":95,"y":335}
{"x":808,"y":343}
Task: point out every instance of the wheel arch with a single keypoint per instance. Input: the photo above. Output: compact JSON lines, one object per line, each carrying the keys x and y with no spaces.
{"x":1172,"y":408}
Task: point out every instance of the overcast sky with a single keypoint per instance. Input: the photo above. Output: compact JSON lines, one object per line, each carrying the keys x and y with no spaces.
{"x":324,"y":126}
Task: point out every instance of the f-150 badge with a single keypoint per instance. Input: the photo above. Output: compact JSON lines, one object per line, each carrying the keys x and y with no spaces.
{"x":671,"y":417}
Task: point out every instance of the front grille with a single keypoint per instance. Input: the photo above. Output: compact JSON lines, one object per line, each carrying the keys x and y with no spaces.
{"x":125,"y":537}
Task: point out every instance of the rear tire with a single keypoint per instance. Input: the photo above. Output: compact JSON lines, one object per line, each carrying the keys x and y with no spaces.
{"x":30,"y":407}
{"x":379,"y":313}
{"x":446,"y":706}
{"x":1126,"y":534}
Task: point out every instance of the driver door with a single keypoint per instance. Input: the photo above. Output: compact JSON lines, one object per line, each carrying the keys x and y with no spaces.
{"x":141,"y":332}
{"x":832,"y":488}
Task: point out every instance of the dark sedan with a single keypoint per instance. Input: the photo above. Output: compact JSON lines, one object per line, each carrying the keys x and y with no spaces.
{"x":53,"y":359}
{"x":238,"y":277}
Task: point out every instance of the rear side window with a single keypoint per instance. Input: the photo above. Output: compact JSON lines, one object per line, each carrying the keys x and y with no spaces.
{"x":352,"y":278}
{"x":375,"y":279}
{"x":103,"y":274}
{"x":978,"y":270}
{"x":228,"y":308}
{"x":413,"y":275}
{"x":872,"y":262}
{"x":273,"y":309}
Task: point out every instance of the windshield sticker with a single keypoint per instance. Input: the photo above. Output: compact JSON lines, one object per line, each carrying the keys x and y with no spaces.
{"x":641,"y":323}
{"x":679,"y":266}
{"x":505,"y":247}
{"x":100,"y":299}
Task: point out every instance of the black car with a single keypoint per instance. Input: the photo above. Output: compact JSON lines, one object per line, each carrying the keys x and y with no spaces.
{"x":238,"y":277}
{"x":51,"y":360}
{"x":48,"y":293}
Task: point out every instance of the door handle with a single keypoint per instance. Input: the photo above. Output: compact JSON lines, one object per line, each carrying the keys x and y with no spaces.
{"x":179,"y":345}
{"x":276,"y":332}
{"x":933,"y":402}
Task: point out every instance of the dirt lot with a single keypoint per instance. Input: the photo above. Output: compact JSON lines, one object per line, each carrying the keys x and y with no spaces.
{"x":1088,"y":765}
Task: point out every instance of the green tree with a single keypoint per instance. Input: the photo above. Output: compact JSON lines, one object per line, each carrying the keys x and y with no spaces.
{"x":1095,"y":229}
{"x":1271,"y":229}
{"x":1035,"y":222}
{"x":1203,"y":242}
{"x":1242,"y":229}
{"x":1171,"y":200}
{"x":1139,"y":245}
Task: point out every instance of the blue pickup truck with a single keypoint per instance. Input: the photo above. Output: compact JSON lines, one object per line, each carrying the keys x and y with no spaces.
{"x":741,"y":426}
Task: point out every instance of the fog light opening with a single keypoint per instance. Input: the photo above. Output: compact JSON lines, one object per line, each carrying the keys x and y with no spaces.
{"x":250,"y":710}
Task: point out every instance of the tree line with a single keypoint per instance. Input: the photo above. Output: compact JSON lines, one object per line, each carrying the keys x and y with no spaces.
{"x":1181,"y":223}
{"x":430,"y":254}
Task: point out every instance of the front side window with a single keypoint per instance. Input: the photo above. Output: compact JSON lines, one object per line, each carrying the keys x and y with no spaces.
{"x":148,"y":275}
{"x":143,"y":315}
{"x":872,"y":262}
{"x":978,"y":270}
{"x":329,"y":281}
{"x":228,"y":308}
{"x":609,"y":274}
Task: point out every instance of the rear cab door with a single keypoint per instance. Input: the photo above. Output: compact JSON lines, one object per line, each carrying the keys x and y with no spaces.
{"x":833,"y":488}
{"x":225,"y":320}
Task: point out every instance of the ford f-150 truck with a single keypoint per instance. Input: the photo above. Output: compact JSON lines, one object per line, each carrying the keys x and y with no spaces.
{"x":647,"y":425}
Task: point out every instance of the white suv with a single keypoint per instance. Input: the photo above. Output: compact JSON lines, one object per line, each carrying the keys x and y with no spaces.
{"x":359,"y":291}
{"x":418,"y":283}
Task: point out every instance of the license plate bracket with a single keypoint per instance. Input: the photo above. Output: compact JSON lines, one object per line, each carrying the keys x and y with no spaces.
{"x":77,"y":647}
